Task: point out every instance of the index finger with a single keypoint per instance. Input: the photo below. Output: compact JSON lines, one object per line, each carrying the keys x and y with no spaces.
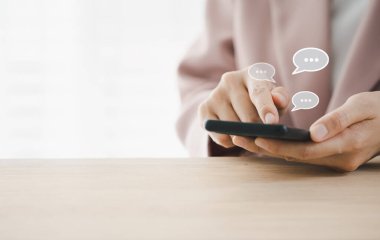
{"x":261,"y":97}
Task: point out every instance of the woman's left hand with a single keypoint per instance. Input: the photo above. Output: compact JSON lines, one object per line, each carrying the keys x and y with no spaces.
{"x":344,"y":139}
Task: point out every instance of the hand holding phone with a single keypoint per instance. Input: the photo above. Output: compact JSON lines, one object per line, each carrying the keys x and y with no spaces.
{"x":238,"y":97}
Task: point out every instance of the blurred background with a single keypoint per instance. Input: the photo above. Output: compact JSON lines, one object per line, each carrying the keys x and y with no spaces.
{"x":92,"y":78}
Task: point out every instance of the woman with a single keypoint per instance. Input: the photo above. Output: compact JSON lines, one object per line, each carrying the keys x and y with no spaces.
{"x":214,"y":84}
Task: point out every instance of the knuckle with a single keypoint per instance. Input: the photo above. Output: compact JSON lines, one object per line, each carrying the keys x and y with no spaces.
{"x":217,"y":97}
{"x":229,"y":79}
{"x":357,"y":142}
{"x":353,"y":98}
{"x":359,"y":97}
{"x":239,"y":95}
{"x":338,"y":120}
{"x":258,"y":90}
{"x":360,"y":100}
{"x":265,"y":108}
{"x":202,"y":106}
{"x":203,"y":109}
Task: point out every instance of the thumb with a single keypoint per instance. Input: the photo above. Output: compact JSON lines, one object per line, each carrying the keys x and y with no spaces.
{"x":330,"y":125}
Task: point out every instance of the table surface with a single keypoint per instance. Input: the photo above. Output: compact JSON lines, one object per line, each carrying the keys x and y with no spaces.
{"x":216,"y":198}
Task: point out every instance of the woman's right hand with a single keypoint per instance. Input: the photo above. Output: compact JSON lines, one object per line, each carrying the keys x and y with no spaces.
{"x":240,"y":98}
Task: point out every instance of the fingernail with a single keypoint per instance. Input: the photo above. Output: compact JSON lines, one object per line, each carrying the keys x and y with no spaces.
{"x":319,"y":132}
{"x":269,"y":118}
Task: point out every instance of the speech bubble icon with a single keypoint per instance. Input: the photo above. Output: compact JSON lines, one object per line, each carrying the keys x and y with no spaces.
{"x":310,"y":60}
{"x":305,"y":100}
{"x":262,"y":71}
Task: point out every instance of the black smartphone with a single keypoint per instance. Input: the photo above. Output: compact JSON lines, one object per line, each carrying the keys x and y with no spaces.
{"x":253,"y":130}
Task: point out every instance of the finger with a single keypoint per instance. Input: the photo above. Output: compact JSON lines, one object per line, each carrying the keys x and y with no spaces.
{"x":281,"y":98}
{"x":249,"y":145}
{"x":341,"y":163}
{"x":347,"y":162}
{"x":243,"y":106}
{"x":335,"y":122}
{"x":301,"y":151}
{"x":225,"y":113}
{"x":220,"y":139}
{"x":343,"y":152}
{"x":246,"y":143}
{"x":351,"y":140}
{"x":293,"y":152}
{"x":261,"y":97}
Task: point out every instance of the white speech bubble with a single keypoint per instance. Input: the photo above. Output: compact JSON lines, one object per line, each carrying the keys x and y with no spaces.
{"x":310,"y":60}
{"x":262,"y":71}
{"x":305,"y":100}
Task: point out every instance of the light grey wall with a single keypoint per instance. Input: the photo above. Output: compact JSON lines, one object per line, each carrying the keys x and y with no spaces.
{"x":85,"y":78}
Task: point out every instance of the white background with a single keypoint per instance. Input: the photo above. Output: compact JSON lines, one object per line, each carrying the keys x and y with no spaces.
{"x":92,"y":78}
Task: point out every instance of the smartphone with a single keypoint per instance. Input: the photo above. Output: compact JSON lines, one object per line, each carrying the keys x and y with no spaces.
{"x":254,"y":130}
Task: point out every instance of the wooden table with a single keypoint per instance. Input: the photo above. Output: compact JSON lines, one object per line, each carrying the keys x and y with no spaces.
{"x":220,"y":198}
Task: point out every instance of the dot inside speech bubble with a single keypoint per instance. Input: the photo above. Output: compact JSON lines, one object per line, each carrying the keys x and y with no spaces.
{"x":262,"y":71}
{"x":305,"y":100}
{"x":310,"y":60}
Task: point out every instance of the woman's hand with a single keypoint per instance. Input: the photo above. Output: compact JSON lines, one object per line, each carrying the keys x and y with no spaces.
{"x":239,"y":98}
{"x":343,"y":139}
